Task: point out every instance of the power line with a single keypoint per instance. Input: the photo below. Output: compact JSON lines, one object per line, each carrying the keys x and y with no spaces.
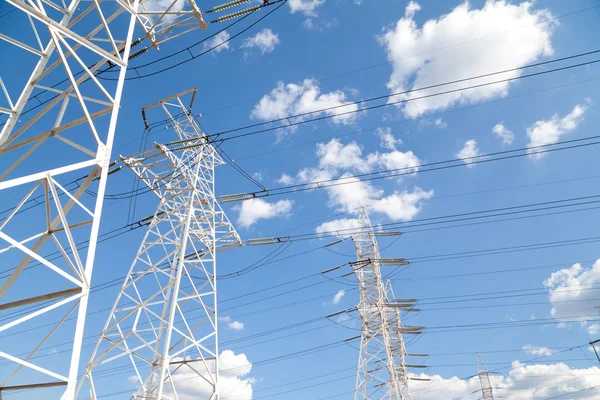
{"x":402,"y":101}
{"x":188,"y":49}
{"x":415,"y":169}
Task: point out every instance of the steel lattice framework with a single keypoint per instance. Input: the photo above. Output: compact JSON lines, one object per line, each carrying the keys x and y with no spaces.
{"x":163,"y":325}
{"x":382,"y":369}
{"x":484,"y":379}
{"x":57,"y":130}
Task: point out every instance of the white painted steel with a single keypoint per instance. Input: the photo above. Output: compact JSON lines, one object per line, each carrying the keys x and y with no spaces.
{"x":382,"y":371}
{"x":163,"y":326}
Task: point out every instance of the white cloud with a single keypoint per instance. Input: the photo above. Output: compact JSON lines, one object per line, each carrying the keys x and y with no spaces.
{"x":221,"y":37}
{"x":335,"y":158}
{"x":417,"y":62}
{"x":319,"y":25}
{"x":342,"y":225}
{"x":593,"y":329}
{"x":550,"y":131}
{"x":285,"y":179}
{"x":335,"y":155}
{"x":162,"y":5}
{"x":398,"y":206}
{"x":235,"y":326}
{"x":388,"y":141}
{"x":306,"y":7}
{"x":523,"y":382}
{"x":299,"y":98}
{"x":264,"y":40}
{"x":338,"y":297}
{"x":233,"y":383}
{"x":572,"y":292}
{"x":258,"y":176}
{"x":537,"y":351}
{"x":255,"y":209}
{"x":468,"y":151}
{"x":411,"y":9}
{"x":440,"y":123}
{"x":504,"y":134}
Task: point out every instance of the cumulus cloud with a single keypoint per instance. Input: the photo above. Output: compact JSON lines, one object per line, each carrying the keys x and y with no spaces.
{"x":537,"y":351}
{"x":468,"y":151}
{"x":398,"y":206}
{"x":338,"y":225}
{"x":236,"y":325}
{"x":305,"y":97}
{"x":593,"y":329}
{"x":339,"y":161}
{"x":233,"y":383}
{"x":256,"y":209}
{"x":306,"y":7}
{"x":550,"y":131}
{"x":285,"y":179}
{"x":221,"y":37}
{"x":572,"y":292}
{"x":503,"y":134}
{"x":417,"y":62}
{"x":338,"y":297}
{"x":335,"y":155}
{"x":319,"y":25}
{"x":264,"y":40}
{"x":388,"y":141}
{"x":233,"y":325}
{"x":523,"y":382}
{"x":440,"y":123}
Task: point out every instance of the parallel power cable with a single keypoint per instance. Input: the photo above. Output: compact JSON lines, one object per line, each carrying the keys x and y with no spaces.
{"x":192,"y":56}
{"x":428,"y":221}
{"x":114,"y":197}
{"x":403,"y":101}
{"x":188,"y":49}
{"x":395,"y":172}
{"x":324,"y":79}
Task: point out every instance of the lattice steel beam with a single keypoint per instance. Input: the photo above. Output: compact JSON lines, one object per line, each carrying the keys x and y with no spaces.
{"x":58,"y":124}
{"x":163,"y":326}
{"x":382,"y":369}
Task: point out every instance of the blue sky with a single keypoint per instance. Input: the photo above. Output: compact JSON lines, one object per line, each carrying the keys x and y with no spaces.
{"x":312,"y":54}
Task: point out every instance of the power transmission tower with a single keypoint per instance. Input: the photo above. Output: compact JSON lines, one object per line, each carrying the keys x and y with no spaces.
{"x":57,"y":130}
{"x":484,"y":378}
{"x":163,"y":326}
{"x":382,"y":369}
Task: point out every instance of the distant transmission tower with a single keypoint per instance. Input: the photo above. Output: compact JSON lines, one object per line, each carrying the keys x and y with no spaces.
{"x":484,"y":378}
{"x":382,"y":368}
{"x":163,"y":326}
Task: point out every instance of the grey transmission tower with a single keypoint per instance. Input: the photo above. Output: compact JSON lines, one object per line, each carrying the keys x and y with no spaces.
{"x":163,"y":326}
{"x":382,"y":369}
{"x":484,"y":378}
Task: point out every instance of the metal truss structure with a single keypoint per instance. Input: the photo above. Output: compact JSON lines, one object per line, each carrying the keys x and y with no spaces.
{"x":163,"y":326}
{"x":58,"y":124}
{"x":484,"y":378}
{"x":382,"y":369}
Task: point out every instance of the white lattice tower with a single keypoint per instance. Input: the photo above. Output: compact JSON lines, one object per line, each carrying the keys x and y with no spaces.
{"x":382,"y":370}
{"x":484,"y":378}
{"x":163,"y":326}
{"x":58,"y":115}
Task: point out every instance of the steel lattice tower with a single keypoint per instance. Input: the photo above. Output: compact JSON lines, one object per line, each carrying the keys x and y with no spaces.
{"x":57,"y":127}
{"x":484,"y":378}
{"x":163,"y":326}
{"x":382,"y":369}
